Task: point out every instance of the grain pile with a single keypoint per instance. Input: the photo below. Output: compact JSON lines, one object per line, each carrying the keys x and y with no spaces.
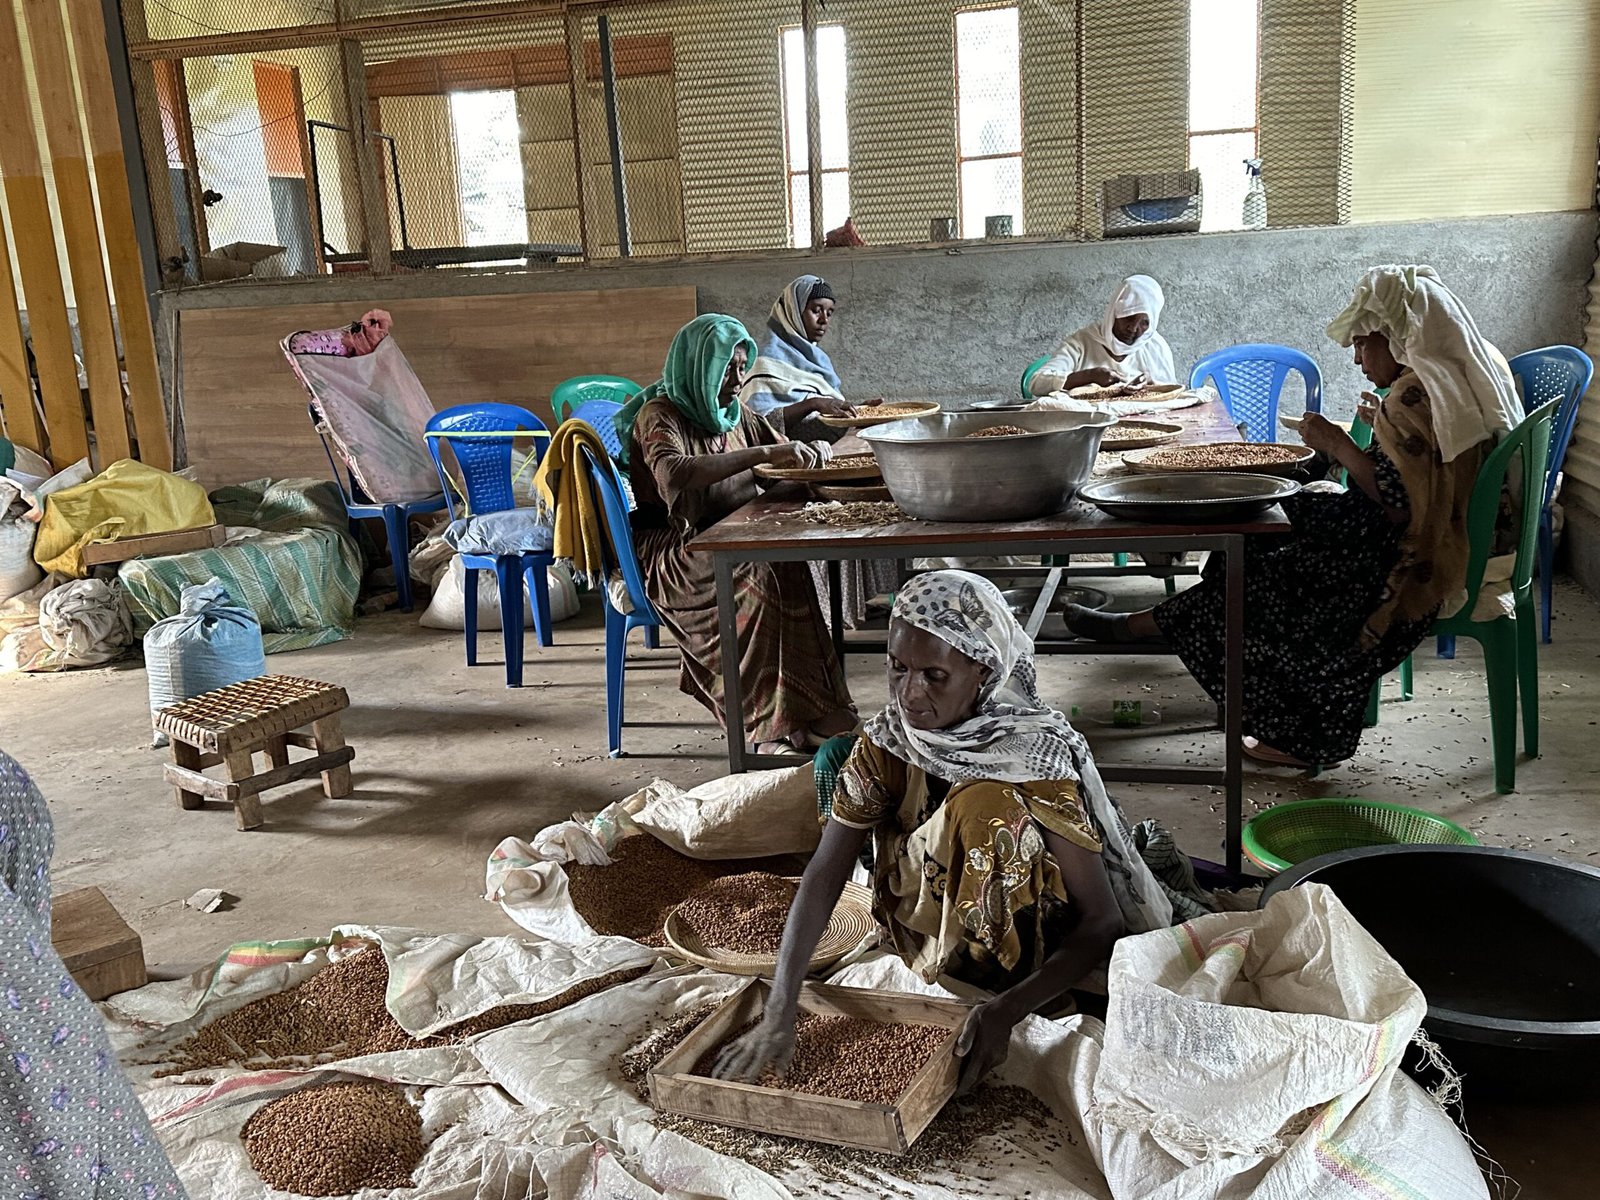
{"x":848,"y":1058}
{"x":741,"y":913}
{"x":646,"y":880}
{"x":1223,"y":456}
{"x":848,"y":513}
{"x":891,"y":410}
{"x":850,"y":462}
{"x":340,"y":1013}
{"x":335,"y":1139}
{"x":1000,"y":431}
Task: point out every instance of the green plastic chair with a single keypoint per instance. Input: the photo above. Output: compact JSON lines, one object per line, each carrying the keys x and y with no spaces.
{"x":1030,"y":371}
{"x":579,"y":389}
{"x":1510,"y":646}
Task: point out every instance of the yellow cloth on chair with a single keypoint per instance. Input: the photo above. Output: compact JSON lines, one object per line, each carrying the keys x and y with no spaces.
{"x":127,"y":499}
{"x":567,"y":501}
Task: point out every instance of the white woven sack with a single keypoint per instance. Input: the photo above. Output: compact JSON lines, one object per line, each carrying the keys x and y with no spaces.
{"x":209,"y":644}
{"x":1257,"y":1055}
{"x":447,"y":609}
{"x":18,"y":571}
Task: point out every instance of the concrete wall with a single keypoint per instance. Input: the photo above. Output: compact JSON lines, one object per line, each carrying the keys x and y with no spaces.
{"x":961,"y":325}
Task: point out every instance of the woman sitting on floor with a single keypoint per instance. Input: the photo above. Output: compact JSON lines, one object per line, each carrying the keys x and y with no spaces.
{"x":792,"y":383}
{"x":1342,"y":600}
{"x":1123,"y":345}
{"x":689,"y":447}
{"x":999,"y":858}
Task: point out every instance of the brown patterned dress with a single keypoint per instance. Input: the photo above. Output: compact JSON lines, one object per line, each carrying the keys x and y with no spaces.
{"x":962,"y":877}
{"x":788,"y":671}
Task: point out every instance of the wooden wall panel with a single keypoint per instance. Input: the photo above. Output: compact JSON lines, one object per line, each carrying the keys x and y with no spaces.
{"x":244,"y":412}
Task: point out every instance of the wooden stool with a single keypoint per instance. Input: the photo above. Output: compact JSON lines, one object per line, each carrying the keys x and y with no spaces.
{"x":263,"y":714}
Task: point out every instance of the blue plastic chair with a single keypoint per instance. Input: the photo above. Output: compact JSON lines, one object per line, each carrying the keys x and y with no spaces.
{"x":1250,"y":379}
{"x":485,"y":464}
{"x":396,"y":519}
{"x":600,"y":415}
{"x":610,"y":501}
{"x":580,"y":389}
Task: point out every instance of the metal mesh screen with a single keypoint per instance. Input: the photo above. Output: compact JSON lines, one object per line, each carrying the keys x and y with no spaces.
{"x":391,"y":135}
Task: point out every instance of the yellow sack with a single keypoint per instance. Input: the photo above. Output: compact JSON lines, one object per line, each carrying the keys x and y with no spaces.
{"x":127,"y":499}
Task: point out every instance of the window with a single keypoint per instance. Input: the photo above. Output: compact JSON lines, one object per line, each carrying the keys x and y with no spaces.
{"x":989,"y":118}
{"x":831,"y":108}
{"x":1223,"y":125}
{"x":489,"y":168}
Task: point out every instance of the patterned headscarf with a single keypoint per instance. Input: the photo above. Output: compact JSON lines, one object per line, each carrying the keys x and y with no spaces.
{"x":1013,"y":737}
{"x":697,"y":362}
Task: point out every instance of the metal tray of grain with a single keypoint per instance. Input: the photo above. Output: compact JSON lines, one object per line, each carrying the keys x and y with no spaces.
{"x":1191,"y":498}
{"x":937,"y":470}
{"x":885,"y":1128}
{"x":850,"y":924}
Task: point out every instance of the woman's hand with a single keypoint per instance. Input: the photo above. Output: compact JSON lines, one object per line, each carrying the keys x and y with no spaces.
{"x":1103,"y":376}
{"x":784,"y":454}
{"x":832,"y":406}
{"x":769,"y":1045}
{"x":1367,"y":410}
{"x":1323,"y":436}
{"x":984,"y":1042}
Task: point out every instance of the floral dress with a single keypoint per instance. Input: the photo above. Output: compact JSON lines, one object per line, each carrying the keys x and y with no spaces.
{"x":963,"y":879}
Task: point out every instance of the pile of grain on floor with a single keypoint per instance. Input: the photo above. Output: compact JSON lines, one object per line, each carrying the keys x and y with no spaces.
{"x":741,"y":913}
{"x":340,"y":1013}
{"x":848,"y":1058}
{"x":645,"y":880}
{"x":335,"y":1139}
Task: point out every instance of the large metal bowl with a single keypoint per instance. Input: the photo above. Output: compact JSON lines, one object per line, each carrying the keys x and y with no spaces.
{"x":1189,"y":497}
{"x":936,"y":471}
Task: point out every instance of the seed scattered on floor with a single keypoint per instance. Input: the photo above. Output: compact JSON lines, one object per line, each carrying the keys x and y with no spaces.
{"x":741,"y":913}
{"x":340,"y":1013}
{"x":848,"y":1058}
{"x":335,"y":1139}
{"x":847,"y":513}
{"x":646,"y":880}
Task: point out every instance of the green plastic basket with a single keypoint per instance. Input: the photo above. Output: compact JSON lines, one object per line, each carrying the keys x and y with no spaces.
{"x":1287,"y":834}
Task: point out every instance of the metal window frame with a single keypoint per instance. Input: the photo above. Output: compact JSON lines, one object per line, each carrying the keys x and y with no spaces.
{"x":790,"y":172}
{"x":1022,"y":135}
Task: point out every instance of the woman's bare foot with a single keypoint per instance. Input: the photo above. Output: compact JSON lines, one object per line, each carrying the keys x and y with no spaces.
{"x":1097,"y":626}
{"x":782,"y":746}
{"x":1264,"y":753}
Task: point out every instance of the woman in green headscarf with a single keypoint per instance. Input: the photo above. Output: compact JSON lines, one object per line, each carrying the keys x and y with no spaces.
{"x":690,"y":448}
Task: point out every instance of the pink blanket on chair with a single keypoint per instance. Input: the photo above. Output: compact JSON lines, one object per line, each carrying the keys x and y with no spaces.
{"x":372,"y":409}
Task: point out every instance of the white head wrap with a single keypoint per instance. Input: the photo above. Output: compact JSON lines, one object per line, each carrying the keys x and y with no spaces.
{"x":1137,"y":294}
{"x":1013,"y":737}
{"x":1470,"y":389}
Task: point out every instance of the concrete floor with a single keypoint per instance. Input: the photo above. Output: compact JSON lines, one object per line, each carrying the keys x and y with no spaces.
{"x":449,"y":761}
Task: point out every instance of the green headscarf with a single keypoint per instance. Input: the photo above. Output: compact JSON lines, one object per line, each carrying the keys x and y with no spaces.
{"x":696,"y":364}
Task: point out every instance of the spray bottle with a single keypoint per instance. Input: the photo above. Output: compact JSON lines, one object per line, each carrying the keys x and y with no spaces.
{"x":1255,"y":200}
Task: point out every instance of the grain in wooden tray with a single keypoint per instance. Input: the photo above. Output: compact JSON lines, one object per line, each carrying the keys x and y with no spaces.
{"x":742,"y":913}
{"x":891,"y":410}
{"x":850,"y":462}
{"x":646,"y":880}
{"x":335,"y":1139}
{"x":1221,"y":456}
{"x":848,"y":1058}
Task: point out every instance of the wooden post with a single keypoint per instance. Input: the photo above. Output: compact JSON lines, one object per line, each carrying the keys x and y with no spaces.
{"x":16,"y":385}
{"x":582,"y":142}
{"x":178,"y":89}
{"x":374,"y":201}
{"x":44,"y":297}
{"x":122,"y":242}
{"x":153,"y":142}
{"x":808,"y":32}
{"x":52,"y":69}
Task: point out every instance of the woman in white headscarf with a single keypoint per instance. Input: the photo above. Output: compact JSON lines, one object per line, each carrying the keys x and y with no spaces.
{"x":1123,"y":345}
{"x":999,"y":859}
{"x":1336,"y":605}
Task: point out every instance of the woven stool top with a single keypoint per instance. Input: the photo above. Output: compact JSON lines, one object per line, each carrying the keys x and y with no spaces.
{"x":244,"y":714}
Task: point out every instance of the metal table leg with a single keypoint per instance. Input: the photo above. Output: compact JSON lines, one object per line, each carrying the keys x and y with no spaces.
{"x":836,"y":607}
{"x":728,"y":647}
{"x":1233,"y":704}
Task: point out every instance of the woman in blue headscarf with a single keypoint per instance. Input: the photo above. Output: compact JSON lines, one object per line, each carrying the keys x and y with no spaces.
{"x":690,"y":448}
{"x":792,"y":380}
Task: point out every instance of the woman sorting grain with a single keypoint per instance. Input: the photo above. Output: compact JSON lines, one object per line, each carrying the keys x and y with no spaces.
{"x":74,"y":1127}
{"x":999,"y":858}
{"x":1122,"y":346}
{"x":792,"y":382}
{"x":1355,"y":588}
{"x":689,"y":447}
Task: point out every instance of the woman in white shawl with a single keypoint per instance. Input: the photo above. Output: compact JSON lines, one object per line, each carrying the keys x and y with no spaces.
{"x":1340,"y":602}
{"x":999,"y":858}
{"x":1123,"y":345}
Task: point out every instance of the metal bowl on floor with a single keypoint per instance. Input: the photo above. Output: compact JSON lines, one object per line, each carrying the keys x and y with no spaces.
{"x":1020,"y":600}
{"x":937,"y":471}
{"x":1505,"y":945}
{"x":1189,"y":497}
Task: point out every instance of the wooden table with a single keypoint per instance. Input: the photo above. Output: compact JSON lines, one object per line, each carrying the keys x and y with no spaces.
{"x":770,"y":529}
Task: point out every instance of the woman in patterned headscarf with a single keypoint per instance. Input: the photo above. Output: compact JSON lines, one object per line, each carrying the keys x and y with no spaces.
{"x":1340,"y":602}
{"x":70,"y":1125}
{"x":690,"y":448}
{"x":999,"y":858}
